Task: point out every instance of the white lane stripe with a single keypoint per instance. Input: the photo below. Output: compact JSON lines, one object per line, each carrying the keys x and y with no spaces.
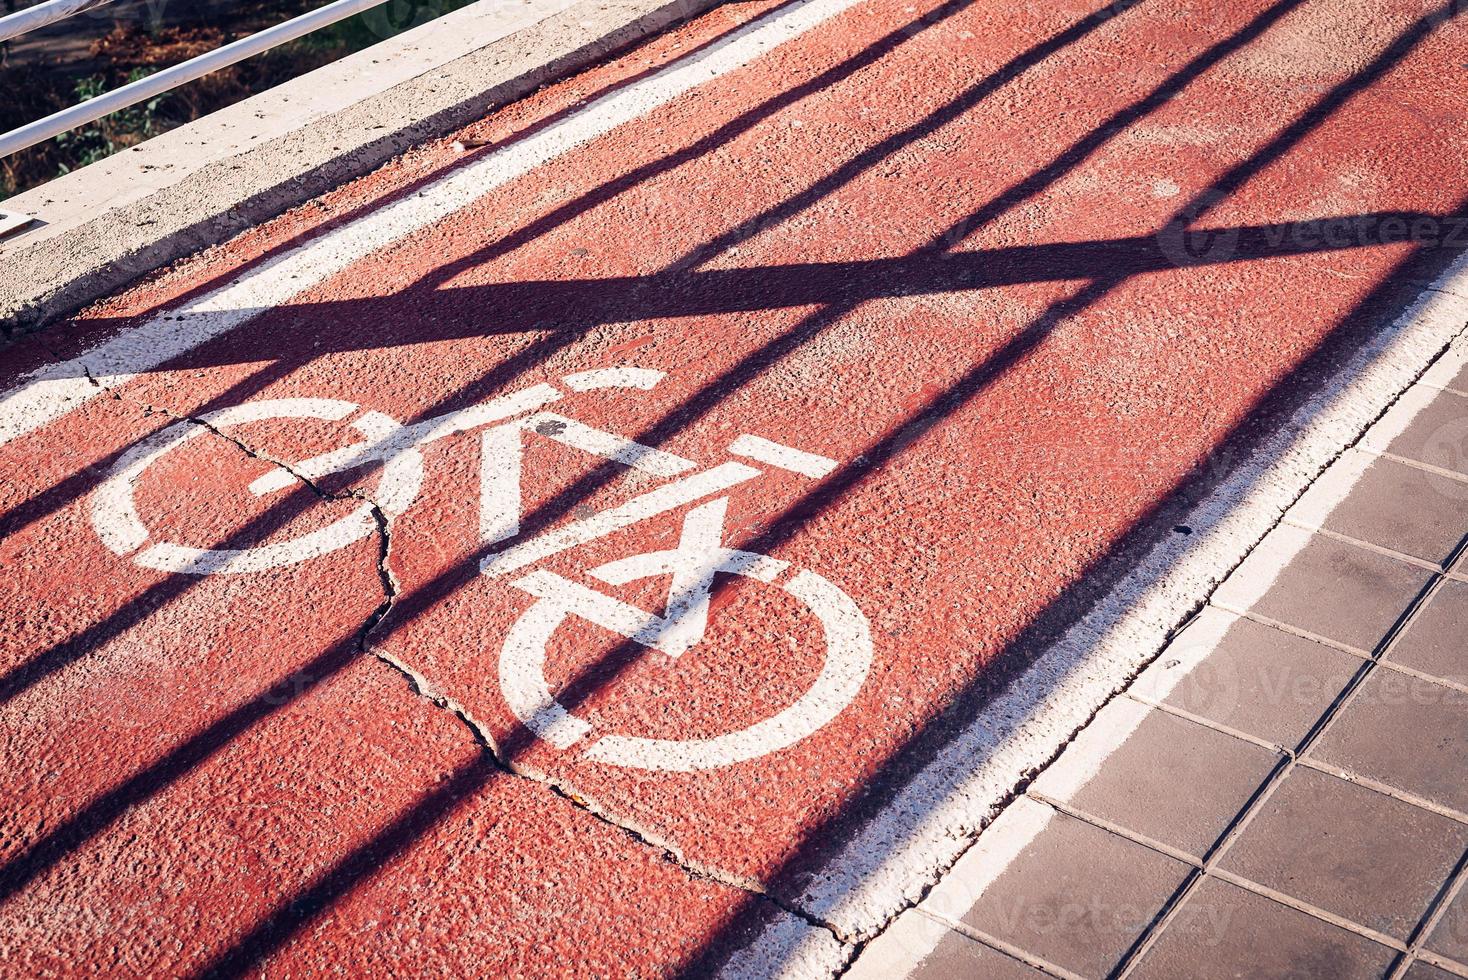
{"x":51,"y":392}
{"x":786,"y":458}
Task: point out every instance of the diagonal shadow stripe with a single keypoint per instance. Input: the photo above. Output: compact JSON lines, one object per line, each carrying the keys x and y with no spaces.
{"x":577,"y":305}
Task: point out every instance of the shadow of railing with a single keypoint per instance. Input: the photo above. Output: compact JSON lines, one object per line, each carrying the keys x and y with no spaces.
{"x":837,"y":288}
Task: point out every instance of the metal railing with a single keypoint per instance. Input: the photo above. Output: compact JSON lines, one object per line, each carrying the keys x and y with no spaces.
{"x":166,"y":80}
{"x":27,"y":20}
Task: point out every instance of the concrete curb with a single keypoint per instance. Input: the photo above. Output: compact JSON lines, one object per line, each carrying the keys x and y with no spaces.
{"x":109,"y":223}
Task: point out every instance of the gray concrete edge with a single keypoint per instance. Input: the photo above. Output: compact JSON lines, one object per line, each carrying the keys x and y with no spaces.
{"x":107,"y":224}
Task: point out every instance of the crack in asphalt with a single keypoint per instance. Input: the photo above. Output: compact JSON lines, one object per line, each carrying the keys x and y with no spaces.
{"x":424,"y":688}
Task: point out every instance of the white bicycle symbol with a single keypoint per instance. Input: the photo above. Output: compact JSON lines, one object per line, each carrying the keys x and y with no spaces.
{"x":700,"y":554}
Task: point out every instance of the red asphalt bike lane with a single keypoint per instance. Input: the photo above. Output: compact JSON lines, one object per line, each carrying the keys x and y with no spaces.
{"x":1008,"y":274}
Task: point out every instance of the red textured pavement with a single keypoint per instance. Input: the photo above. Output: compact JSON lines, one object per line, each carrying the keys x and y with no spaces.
{"x":945,"y":256}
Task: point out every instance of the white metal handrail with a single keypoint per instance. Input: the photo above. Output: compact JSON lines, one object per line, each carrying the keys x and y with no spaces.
{"x":27,"y":20}
{"x":172,"y":77}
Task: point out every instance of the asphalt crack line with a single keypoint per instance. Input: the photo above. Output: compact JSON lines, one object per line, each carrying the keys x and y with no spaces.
{"x":425,"y":688}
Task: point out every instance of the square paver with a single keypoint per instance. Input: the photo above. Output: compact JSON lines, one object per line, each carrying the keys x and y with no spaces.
{"x":957,"y":955}
{"x":1330,"y":589}
{"x":1438,"y":434}
{"x":1077,"y":896}
{"x":1223,"y":931}
{"x":1404,"y":508}
{"x":1408,"y":733}
{"x":1349,"y":850}
{"x":1434,"y":642}
{"x":1256,"y":679}
{"x":1450,"y":935}
{"x":1426,"y":971}
{"x":1137,"y":785}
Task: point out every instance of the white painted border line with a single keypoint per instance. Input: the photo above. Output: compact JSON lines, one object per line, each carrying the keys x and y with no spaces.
{"x":931,"y":821}
{"x":52,"y":392}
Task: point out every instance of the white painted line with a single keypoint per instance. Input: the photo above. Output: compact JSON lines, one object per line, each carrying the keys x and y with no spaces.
{"x":500,"y":457}
{"x":1004,"y":841}
{"x":1256,"y":576}
{"x":52,"y":392}
{"x":786,"y":458}
{"x":1443,"y":373}
{"x":1396,"y":420}
{"x":789,"y":947}
{"x":485,"y":413}
{"x":1001,"y":843}
{"x":1114,"y":724}
{"x":848,"y":660}
{"x":403,"y":437}
{"x":115,"y":516}
{"x":643,"y":379}
{"x":607,"y":445}
{"x":1191,"y":647}
{"x":901,"y":949}
{"x":639,"y":508}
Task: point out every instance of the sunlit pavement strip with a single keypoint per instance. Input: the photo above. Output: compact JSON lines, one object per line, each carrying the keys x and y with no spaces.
{"x":695,"y":450}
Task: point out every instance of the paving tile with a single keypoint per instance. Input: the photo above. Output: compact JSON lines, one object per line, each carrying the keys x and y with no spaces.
{"x":1148,"y":756}
{"x":957,"y":955}
{"x":1077,"y":896}
{"x":1328,"y":588}
{"x":1450,"y":935}
{"x":1251,"y":677}
{"x":1223,"y":931}
{"x":1433,"y":642}
{"x":1349,"y":850}
{"x":1406,"y":732}
{"x":1438,"y":435}
{"x":1397,"y":506}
